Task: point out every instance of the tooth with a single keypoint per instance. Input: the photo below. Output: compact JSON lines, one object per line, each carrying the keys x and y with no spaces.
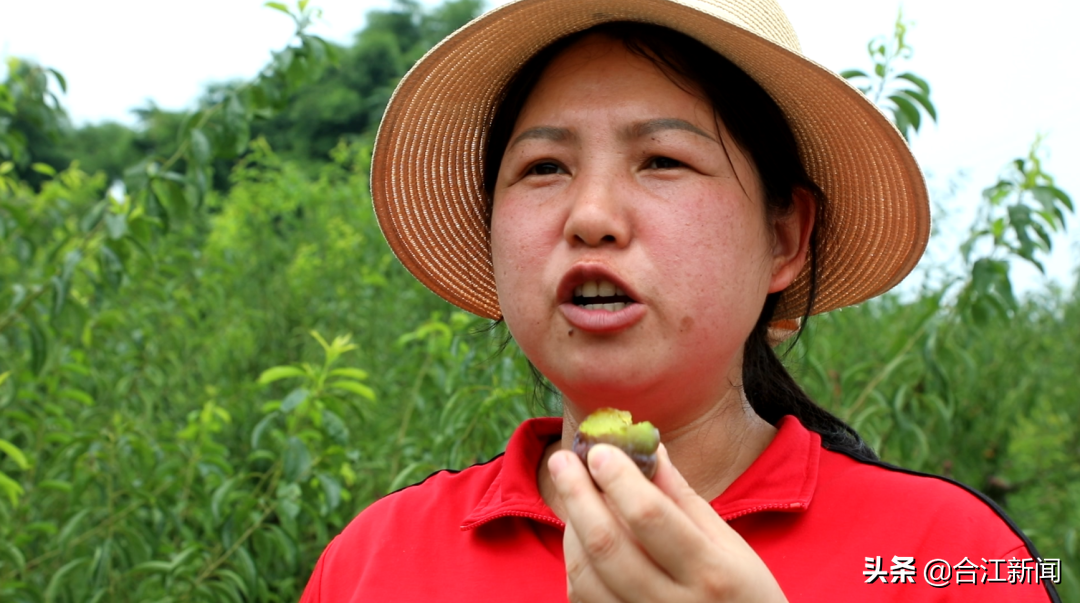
{"x":606,"y":289}
{"x":609,"y":307}
{"x":589,"y":289}
{"x":619,"y":291}
{"x":615,"y":307}
{"x":594,"y":306}
{"x":577,"y":291}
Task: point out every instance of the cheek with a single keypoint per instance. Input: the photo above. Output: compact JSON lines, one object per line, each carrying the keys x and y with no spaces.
{"x":714,"y":247}
{"x":516,"y":255}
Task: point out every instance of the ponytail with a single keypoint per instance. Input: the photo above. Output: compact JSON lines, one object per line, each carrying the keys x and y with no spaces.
{"x":773,"y":393}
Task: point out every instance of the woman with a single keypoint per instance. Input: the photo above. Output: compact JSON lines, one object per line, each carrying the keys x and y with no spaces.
{"x":639,"y":210}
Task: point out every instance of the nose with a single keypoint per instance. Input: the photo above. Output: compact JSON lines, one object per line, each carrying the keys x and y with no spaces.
{"x":599,"y":213}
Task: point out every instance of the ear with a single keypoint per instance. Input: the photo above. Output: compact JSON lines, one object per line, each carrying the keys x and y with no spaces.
{"x":792,"y":240}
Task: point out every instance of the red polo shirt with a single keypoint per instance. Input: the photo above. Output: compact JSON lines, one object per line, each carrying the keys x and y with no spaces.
{"x":825,"y":524}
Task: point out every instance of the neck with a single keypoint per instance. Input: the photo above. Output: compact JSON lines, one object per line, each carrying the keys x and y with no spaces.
{"x":710,"y":451}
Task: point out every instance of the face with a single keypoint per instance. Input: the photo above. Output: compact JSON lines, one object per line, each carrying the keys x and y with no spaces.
{"x":631,"y":246}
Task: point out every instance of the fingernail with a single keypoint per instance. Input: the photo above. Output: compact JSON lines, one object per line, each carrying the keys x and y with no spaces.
{"x":661,"y":451}
{"x":556,"y":464}
{"x":598,"y":456}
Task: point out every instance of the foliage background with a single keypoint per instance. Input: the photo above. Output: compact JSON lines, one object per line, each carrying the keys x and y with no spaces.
{"x":204,"y":378}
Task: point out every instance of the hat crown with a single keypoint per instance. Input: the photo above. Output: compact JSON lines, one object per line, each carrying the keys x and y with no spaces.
{"x":762,"y":17}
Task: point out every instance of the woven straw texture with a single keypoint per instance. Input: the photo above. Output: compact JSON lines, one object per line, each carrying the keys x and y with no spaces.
{"x":427,"y":173}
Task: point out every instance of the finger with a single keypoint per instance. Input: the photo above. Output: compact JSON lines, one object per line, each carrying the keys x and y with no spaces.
{"x":658,"y":524}
{"x":697,"y":509}
{"x":601,"y":544}
{"x":583,"y":585}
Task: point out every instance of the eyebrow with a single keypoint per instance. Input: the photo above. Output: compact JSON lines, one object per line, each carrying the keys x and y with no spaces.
{"x":635,"y":131}
{"x":544,"y":133}
{"x":652,"y":126}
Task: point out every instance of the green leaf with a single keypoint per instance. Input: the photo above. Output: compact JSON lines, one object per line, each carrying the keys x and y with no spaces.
{"x":71,"y":261}
{"x":853,"y":73}
{"x":157,"y":567}
{"x":335,"y":427}
{"x":902,"y":122}
{"x":60,"y":292}
{"x":218,"y":498}
{"x":238,"y":582}
{"x":279,"y":372}
{"x":60,"y":578}
{"x":1046,"y":195}
{"x":246,"y":565}
{"x":1044,"y":237}
{"x":44,"y":168}
{"x":92,"y":217}
{"x":59,"y":79}
{"x":200,"y":147}
{"x":278,"y":6}
{"x":297,"y":460}
{"x":11,"y":488}
{"x":352,"y":386}
{"x":354,"y":373}
{"x":154,"y":209}
{"x":260,"y":427}
{"x":55,"y":484}
{"x":78,"y":395}
{"x":15,"y":453}
{"x":112,"y":269}
{"x":173,"y":194}
{"x":39,"y":346}
{"x":997,"y":228}
{"x":182,"y":557}
{"x":923,"y":100}
{"x":115,"y":225}
{"x":322,"y":342}
{"x":69,"y":528}
{"x":909,"y":109}
{"x":918,"y":81}
{"x":14,"y":554}
{"x":331,"y":488}
{"x":295,"y":398}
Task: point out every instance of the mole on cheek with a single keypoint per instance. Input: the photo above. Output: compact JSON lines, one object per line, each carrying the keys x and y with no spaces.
{"x":686,"y":324}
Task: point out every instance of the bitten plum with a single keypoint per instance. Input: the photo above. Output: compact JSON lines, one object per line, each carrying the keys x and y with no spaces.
{"x":616,"y":427}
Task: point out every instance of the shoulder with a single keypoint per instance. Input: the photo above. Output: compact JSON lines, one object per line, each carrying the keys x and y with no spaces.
{"x":444,"y":497}
{"x":379,"y":548}
{"x":933,"y":510}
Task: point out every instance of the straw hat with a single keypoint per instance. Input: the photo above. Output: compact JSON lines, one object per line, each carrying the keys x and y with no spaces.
{"x":427,"y":169}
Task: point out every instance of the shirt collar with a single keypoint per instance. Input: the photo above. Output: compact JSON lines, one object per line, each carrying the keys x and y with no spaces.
{"x":783,"y":478}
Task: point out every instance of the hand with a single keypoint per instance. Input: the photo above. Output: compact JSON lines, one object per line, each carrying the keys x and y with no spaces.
{"x":634,"y":540}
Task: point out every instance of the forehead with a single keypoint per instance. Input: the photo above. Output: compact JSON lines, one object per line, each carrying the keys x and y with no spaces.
{"x":599,"y":69}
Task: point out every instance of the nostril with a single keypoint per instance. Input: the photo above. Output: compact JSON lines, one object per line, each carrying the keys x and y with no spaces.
{"x":608,"y":238}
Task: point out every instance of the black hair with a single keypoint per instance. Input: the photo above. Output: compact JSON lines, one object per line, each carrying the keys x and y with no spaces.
{"x":758,"y":127}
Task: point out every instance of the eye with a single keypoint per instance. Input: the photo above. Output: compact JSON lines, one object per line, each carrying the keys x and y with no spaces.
{"x":545,"y":168}
{"x":663,"y":163}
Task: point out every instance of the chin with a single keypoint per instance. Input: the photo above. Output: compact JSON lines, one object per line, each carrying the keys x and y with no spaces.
{"x":617,"y":385}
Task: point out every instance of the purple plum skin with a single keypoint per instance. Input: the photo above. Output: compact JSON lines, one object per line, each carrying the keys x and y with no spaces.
{"x":646,"y":461}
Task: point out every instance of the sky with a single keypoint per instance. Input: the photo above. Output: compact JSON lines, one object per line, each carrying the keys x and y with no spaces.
{"x":1000,"y":73}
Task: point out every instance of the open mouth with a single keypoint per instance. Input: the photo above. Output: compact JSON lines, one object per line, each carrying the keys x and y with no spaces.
{"x":601,"y":295}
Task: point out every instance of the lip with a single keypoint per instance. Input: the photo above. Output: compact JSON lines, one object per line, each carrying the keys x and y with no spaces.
{"x":597,"y":321}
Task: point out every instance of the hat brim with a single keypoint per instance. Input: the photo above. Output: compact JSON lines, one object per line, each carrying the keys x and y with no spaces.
{"x":427,"y":168}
